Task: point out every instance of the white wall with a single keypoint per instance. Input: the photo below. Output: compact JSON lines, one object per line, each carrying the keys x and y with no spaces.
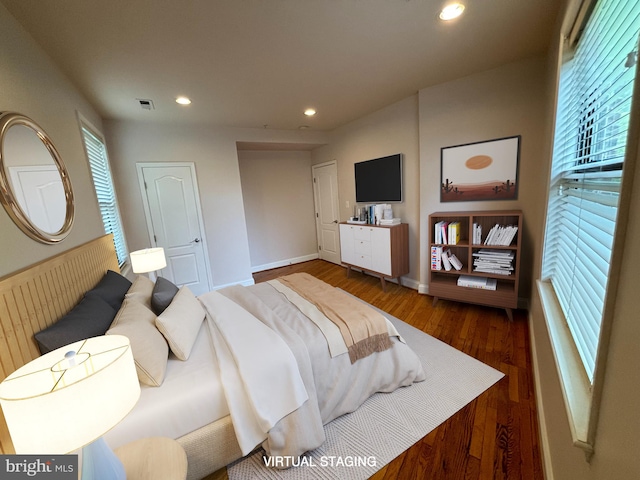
{"x":32,"y":85}
{"x":391,"y":130}
{"x":277,"y":191}
{"x":503,"y":102}
{"x":214,"y":152}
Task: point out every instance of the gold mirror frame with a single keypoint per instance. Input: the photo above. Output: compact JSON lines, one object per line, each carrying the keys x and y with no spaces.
{"x":7,"y":195}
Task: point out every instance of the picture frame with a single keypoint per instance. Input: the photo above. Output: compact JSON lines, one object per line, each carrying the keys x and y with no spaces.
{"x":480,"y":171}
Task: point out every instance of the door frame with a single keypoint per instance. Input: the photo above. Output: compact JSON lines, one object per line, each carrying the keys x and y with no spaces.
{"x":336,"y":199}
{"x":147,"y":210}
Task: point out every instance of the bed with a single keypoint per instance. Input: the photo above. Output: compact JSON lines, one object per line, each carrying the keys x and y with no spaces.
{"x":193,"y":403}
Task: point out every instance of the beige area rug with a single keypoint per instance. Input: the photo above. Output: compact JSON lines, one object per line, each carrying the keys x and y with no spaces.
{"x":361,"y":443}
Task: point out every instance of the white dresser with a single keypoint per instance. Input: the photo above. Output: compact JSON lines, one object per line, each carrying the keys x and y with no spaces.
{"x":380,"y":250}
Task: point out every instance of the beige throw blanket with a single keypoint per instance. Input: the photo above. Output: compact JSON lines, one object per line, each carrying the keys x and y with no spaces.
{"x":363,"y":329}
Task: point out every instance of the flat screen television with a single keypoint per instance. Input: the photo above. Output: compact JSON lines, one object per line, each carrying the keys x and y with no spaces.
{"x":379,"y":180}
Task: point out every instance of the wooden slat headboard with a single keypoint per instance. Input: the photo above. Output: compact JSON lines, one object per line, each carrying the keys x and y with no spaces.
{"x":33,"y":298}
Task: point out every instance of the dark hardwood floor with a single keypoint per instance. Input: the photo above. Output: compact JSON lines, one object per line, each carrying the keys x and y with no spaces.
{"x":493,"y":437}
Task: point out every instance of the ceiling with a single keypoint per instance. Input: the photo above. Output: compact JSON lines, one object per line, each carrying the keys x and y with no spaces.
{"x":261,"y":63}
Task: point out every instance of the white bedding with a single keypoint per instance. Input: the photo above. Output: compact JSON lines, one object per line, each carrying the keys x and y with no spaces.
{"x":191,"y":388}
{"x":259,"y":373}
{"x":192,"y":394}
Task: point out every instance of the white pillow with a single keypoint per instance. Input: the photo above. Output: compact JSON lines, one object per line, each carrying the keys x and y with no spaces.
{"x":149,"y":348}
{"x":141,"y":290}
{"x":180,"y":322}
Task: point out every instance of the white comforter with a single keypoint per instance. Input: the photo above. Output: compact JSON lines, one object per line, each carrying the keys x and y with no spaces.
{"x":280,"y":380}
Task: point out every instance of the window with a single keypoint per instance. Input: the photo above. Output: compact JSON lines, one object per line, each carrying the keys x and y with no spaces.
{"x":103,"y":182}
{"x":592,"y":119}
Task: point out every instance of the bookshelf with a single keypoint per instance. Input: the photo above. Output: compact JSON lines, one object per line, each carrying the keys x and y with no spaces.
{"x":445,"y":283}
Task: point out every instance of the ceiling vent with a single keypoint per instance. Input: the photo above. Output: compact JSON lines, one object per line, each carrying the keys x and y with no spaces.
{"x":146,"y":104}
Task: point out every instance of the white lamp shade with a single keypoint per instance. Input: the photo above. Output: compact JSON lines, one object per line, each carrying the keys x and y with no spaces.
{"x":53,"y":407}
{"x":148,"y":260}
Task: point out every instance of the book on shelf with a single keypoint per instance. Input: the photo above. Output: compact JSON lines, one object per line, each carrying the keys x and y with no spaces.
{"x":501,"y":235}
{"x":455,"y":262}
{"x":483,"y":283}
{"x":499,"y":262}
{"x":436,"y":258}
{"x":446,"y":233}
{"x":441,"y":232}
{"x":453,"y":233}
{"x":445,"y":260}
{"x":477,"y":234}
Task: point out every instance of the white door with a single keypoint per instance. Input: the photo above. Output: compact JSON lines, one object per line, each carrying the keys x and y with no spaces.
{"x":325,"y":194}
{"x":174,"y":221}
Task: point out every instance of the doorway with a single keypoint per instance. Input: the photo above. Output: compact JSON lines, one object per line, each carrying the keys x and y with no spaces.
{"x":325,"y":196}
{"x":174,"y":222}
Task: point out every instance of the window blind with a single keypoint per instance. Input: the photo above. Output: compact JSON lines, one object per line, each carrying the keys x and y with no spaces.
{"x":101,"y":173}
{"x":592,"y":120}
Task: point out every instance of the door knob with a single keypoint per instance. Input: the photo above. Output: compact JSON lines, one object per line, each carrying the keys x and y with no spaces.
{"x":335,"y":221}
{"x":196,"y":240}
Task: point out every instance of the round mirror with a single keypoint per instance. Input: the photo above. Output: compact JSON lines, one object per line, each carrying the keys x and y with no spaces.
{"x":34,"y":184}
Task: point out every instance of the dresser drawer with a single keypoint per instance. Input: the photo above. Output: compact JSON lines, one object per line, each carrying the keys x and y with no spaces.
{"x":362,"y":233}
{"x":362,"y":247}
{"x":363,"y":261}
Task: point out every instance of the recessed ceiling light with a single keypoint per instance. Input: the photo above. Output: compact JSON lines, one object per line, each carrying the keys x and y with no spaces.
{"x":310,"y":112}
{"x":451,"y":11}
{"x":183,"y":101}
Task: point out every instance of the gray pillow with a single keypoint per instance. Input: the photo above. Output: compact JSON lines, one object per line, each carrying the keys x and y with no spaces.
{"x":92,"y":317}
{"x":112,"y":289}
{"x":162,"y":295}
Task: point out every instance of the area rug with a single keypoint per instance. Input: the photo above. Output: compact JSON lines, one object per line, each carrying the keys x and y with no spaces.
{"x":361,"y":443}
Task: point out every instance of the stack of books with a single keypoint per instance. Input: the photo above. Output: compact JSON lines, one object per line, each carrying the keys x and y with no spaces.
{"x":483,"y":283}
{"x":447,"y":233}
{"x":501,"y":235}
{"x":444,"y":259}
{"x":498,"y":262}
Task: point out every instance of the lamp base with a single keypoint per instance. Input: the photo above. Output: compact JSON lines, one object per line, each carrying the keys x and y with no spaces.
{"x":100,"y":463}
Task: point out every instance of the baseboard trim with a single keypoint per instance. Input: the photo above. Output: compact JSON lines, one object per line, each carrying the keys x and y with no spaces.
{"x":542,"y":426}
{"x":411,"y":283}
{"x":245,"y":283}
{"x":284,"y":263}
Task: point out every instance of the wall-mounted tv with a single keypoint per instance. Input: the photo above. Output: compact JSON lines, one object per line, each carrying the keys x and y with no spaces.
{"x":379,"y":180}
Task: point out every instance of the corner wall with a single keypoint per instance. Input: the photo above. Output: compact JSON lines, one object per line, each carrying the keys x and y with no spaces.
{"x":277,"y":191}
{"x":31,"y":84}
{"x":506,"y":101}
{"x":393,"y":129}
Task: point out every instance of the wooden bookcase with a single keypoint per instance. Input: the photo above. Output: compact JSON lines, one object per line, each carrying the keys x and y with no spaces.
{"x":444,"y":284}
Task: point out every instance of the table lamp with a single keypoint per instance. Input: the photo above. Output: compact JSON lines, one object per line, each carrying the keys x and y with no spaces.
{"x":69,"y":398}
{"x":148,"y":261}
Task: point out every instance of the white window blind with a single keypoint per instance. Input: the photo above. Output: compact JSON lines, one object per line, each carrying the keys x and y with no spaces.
{"x":592,"y":119}
{"x":101,"y":173}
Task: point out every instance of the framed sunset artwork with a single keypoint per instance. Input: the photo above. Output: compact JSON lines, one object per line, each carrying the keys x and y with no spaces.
{"x":480,"y":171}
